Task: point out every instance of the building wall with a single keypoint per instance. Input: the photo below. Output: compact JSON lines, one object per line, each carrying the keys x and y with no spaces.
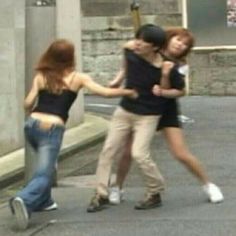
{"x":12,"y":57}
{"x":213,"y":72}
{"x":107,"y":24}
{"x":16,"y":73}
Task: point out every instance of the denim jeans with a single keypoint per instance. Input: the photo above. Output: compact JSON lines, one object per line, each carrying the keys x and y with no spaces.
{"x":46,"y":143}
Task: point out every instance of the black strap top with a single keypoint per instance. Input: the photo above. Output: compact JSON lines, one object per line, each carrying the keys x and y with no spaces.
{"x":55,"y":104}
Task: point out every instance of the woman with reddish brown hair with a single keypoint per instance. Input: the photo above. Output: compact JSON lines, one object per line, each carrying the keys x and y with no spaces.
{"x":178,"y":45}
{"x":53,"y":92}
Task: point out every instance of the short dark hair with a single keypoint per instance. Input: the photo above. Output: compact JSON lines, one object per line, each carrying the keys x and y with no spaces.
{"x":152,"y":34}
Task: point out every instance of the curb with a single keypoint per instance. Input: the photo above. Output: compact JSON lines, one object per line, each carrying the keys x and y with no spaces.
{"x":92,"y":131}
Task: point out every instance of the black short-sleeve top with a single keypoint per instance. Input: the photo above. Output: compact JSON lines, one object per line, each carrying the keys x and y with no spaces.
{"x":142,"y":76}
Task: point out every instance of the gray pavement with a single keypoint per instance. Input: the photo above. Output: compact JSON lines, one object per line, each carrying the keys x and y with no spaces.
{"x":185,"y":209}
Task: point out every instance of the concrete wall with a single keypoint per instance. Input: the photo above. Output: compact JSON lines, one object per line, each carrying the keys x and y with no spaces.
{"x":213,"y":72}
{"x":12,"y":57}
{"x":107,"y":24}
{"x":68,"y":26}
{"x":112,"y":14}
{"x":16,"y":74}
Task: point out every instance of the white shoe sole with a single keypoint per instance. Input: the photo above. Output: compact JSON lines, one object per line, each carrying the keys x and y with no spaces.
{"x":114,"y":202}
{"x":216,"y":201}
{"x":21,"y":213}
{"x":53,"y":207}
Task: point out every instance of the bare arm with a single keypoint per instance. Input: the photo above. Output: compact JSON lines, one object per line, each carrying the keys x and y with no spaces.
{"x":32,"y":95}
{"x":165,"y":74}
{"x":164,"y":89}
{"x":129,"y":44}
{"x":103,"y":91}
{"x":167,"y":93}
{"x":119,"y":78}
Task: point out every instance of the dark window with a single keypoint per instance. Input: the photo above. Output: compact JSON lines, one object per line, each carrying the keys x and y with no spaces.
{"x":210,"y":23}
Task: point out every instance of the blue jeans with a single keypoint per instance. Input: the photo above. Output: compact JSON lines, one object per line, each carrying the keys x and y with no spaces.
{"x":46,"y":143}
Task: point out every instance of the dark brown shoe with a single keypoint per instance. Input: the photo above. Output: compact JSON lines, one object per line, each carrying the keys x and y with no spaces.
{"x":97,"y":203}
{"x":149,"y":203}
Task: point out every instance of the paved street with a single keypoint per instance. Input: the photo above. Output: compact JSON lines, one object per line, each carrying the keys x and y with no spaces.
{"x":185,"y":209}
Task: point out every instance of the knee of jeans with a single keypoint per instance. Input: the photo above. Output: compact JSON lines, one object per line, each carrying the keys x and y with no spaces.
{"x":45,"y":171}
{"x":41,"y":180}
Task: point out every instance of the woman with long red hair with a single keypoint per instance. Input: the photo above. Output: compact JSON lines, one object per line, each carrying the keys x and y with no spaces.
{"x":53,"y":92}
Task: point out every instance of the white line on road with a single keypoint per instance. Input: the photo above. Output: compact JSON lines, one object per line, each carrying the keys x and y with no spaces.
{"x":100,"y":105}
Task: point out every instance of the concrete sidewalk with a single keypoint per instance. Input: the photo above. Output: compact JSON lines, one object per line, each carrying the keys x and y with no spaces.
{"x":93,"y":129}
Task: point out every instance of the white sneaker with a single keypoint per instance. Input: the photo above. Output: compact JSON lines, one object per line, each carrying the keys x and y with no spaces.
{"x":213,"y":192}
{"x":52,"y":207}
{"x":116,"y":195}
{"x":20,"y":211}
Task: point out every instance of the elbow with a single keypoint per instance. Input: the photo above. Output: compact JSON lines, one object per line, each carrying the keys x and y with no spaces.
{"x":183,"y":93}
{"x":27,"y":106}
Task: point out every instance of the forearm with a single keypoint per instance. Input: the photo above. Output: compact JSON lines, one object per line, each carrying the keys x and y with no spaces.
{"x":165,"y":82}
{"x":172,"y":93}
{"x":117,"y":81}
{"x":117,"y":92}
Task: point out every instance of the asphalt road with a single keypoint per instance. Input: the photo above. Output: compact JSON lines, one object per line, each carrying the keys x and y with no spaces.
{"x":211,"y":137}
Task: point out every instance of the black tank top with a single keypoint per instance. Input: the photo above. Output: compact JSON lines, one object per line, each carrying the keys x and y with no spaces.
{"x":142,"y":76}
{"x":55,"y":104}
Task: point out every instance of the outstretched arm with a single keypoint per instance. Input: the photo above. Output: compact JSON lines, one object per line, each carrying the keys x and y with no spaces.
{"x":119,"y":78}
{"x":88,"y":82}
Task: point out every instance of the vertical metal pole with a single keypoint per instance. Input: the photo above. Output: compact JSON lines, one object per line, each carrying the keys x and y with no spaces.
{"x":185,"y":24}
{"x":134,"y":7}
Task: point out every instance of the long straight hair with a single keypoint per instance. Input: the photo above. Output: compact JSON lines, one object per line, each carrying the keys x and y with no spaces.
{"x":55,"y":61}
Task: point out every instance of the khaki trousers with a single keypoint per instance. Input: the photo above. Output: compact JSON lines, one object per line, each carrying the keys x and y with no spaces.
{"x":143,"y":128}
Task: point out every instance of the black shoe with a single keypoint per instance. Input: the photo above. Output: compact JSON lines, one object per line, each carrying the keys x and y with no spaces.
{"x":149,"y":203}
{"x":97,"y":203}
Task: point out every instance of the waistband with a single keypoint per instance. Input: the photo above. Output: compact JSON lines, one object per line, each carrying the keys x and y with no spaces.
{"x":44,"y":125}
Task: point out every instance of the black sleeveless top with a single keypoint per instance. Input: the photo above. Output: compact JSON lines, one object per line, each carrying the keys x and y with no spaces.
{"x":55,"y":104}
{"x":142,"y":76}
